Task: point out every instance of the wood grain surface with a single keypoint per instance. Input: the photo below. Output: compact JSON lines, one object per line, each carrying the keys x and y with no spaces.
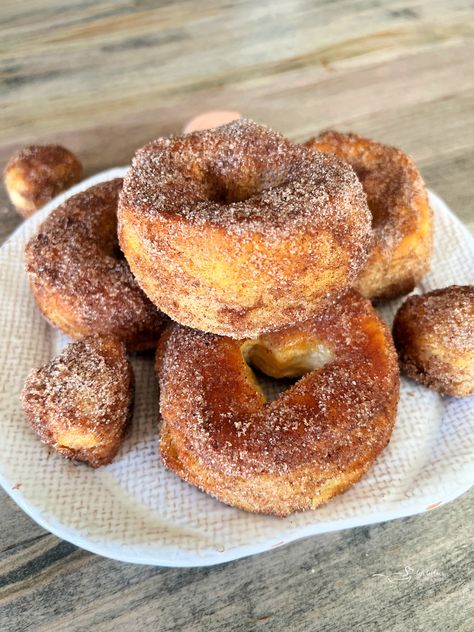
{"x":104,"y":77}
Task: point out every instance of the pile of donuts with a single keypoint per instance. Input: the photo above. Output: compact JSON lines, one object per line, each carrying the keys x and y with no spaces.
{"x":234,"y":252}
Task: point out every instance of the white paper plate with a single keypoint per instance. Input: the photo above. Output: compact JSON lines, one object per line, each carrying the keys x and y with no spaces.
{"x":136,"y":511}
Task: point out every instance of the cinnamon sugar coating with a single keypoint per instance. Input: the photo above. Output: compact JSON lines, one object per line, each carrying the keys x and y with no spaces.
{"x":80,"y":280}
{"x":434,"y":336}
{"x":81,"y":402}
{"x":402,"y":217}
{"x":37,"y":173}
{"x":236,"y":230}
{"x":296,"y":452}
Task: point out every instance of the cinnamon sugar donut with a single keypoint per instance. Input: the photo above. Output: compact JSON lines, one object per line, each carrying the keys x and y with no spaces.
{"x":434,"y":336}
{"x":81,"y":402}
{"x":80,"y":280}
{"x":313,"y":442}
{"x":236,"y":230}
{"x":37,"y":173}
{"x":402,"y":217}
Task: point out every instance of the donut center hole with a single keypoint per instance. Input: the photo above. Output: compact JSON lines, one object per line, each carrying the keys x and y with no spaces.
{"x":223,"y":192}
{"x":227,"y":190}
{"x":276,"y":368}
{"x":379,"y":212}
{"x":376,"y":195}
{"x":272,"y":388}
{"x":117,"y":252}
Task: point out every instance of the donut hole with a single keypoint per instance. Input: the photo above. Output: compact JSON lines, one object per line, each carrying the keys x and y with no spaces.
{"x":117,"y":252}
{"x":221,"y":191}
{"x":277,"y":367}
{"x":377,"y":193}
{"x":227,"y":186}
{"x":270,"y":387}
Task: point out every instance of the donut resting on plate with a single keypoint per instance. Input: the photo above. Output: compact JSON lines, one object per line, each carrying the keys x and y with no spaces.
{"x":298,"y":451}
{"x":402,"y":217}
{"x":79,"y":277}
{"x":434,"y":336}
{"x":236,"y":230}
{"x":81,"y":402}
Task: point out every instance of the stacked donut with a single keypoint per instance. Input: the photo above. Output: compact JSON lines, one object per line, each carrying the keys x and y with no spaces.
{"x":242,"y":253}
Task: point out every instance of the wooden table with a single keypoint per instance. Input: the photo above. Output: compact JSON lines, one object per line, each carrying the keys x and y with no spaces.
{"x":104,"y":77}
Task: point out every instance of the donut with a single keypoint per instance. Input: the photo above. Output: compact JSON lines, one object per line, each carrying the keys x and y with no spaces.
{"x":401,"y":214}
{"x":79,"y":277}
{"x":81,"y":402}
{"x":434,"y":336}
{"x":37,"y":173}
{"x":314,"y":441}
{"x":237,"y":231}
{"x":206,"y":120}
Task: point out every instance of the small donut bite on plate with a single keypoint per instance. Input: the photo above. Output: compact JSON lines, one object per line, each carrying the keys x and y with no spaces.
{"x":434,"y":336}
{"x":81,"y":402}
{"x":37,"y":173}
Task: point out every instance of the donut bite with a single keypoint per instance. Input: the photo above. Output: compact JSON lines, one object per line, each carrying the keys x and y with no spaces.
{"x":434,"y":336}
{"x":401,"y":215}
{"x":314,"y":441}
{"x":80,"y":280}
{"x":37,"y":173}
{"x":81,"y":402}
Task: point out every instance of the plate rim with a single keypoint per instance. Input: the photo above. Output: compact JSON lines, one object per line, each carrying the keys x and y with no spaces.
{"x":213,"y":557}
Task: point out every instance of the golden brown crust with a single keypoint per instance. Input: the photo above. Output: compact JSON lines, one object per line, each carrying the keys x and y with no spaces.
{"x":37,"y":173}
{"x":80,"y":280}
{"x":434,"y":336}
{"x":402,"y":218}
{"x":298,"y":451}
{"x":236,"y":230}
{"x":81,"y":402}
